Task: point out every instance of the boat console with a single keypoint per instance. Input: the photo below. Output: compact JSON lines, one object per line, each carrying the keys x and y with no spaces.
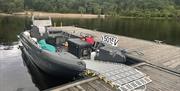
{"x":79,"y":48}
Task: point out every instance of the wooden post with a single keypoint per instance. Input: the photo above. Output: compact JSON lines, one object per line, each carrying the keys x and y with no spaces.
{"x":61,"y":24}
{"x":54,"y":24}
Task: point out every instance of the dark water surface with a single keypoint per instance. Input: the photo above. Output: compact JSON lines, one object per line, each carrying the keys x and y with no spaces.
{"x":13,"y":74}
{"x":167,"y":31}
{"x":147,"y":29}
{"x":18,"y":74}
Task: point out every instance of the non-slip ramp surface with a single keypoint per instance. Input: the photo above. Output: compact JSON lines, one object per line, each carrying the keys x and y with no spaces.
{"x":119,"y":75}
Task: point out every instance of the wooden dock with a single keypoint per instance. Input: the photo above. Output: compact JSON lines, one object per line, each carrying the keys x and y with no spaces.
{"x":157,"y":53}
{"x":160,"y":61}
{"x":162,"y":81}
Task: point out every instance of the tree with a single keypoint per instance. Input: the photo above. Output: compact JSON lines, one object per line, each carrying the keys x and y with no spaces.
{"x":10,"y":6}
{"x":152,"y":8}
{"x":82,"y":10}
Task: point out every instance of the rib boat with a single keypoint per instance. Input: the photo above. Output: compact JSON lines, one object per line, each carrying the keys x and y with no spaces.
{"x":61,"y":54}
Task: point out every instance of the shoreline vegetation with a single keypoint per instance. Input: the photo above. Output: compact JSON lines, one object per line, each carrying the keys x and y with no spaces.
{"x":72,"y":15}
{"x":53,"y":15}
{"x":121,"y":15}
{"x":150,"y":9}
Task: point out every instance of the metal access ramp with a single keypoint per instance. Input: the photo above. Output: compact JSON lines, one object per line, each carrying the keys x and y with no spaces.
{"x":120,"y":76}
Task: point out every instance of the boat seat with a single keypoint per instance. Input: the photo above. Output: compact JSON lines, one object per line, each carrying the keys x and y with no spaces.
{"x":42,"y":30}
{"x":46,"y":46}
{"x":27,"y":34}
{"x":35,"y":32}
{"x":34,"y":39}
{"x":90,"y":40}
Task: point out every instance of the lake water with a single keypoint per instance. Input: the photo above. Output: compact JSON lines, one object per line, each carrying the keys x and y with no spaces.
{"x":167,"y":31}
{"x":16,"y":74}
{"x":147,"y":29}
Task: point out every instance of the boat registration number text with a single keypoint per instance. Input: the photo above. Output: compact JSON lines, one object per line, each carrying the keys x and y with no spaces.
{"x":109,"y":39}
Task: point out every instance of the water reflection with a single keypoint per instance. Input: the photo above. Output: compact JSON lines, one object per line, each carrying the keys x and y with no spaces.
{"x":10,"y":27}
{"x":147,"y":29}
{"x":16,"y":67}
{"x":13,"y":74}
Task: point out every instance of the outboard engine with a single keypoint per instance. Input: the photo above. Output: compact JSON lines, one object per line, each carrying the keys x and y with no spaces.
{"x":111,"y":54}
{"x":79,"y":48}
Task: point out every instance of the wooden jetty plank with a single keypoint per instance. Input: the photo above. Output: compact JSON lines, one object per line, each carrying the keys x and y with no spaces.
{"x":177,"y":62}
{"x":88,"y":87}
{"x":162,"y":52}
{"x":154,"y":52}
{"x":164,"y":58}
{"x":65,"y":90}
{"x":172,"y":60}
{"x":160,"y":47}
{"x":140,"y":46}
{"x":73,"y":89}
{"x":80,"y":88}
{"x":158,"y":87}
{"x":162,"y":80}
{"x":143,"y":47}
{"x":169,"y":57}
{"x":105,"y":86}
{"x":98,"y":87}
{"x":154,"y":49}
{"x":63,"y":87}
{"x":151,"y":89}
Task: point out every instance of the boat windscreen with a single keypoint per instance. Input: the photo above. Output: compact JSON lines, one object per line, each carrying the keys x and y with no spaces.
{"x":54,"y":32}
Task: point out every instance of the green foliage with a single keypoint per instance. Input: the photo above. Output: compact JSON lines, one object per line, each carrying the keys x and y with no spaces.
{"x":10,"y":6}
{"x":135,"y":8}
{"x":82,"y":10}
